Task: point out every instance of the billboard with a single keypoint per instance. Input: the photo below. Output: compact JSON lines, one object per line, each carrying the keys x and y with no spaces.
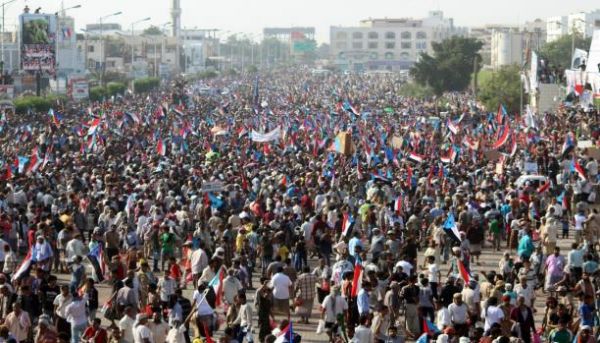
{"x":38,"y":43}
{"x":78,"y":89}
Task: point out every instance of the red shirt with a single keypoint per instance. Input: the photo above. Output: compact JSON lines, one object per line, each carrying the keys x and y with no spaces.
{"x":175,"y":272}
{"x":101,"y":335}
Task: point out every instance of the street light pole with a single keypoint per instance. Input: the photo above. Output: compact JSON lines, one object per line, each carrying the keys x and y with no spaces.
{"x":132,"y":45}
{"x":2,"y":38}
{"x":102,"y":59}
{"x":58,"y":16}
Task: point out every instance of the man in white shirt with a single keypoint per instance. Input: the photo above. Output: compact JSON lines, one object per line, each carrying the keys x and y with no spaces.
{"x":77,"y":317}
{"x":204,"y":312}
{"x":524,"y":290}
{"x":199,"y":261}
{"x":126,"y":325}
{"x":141,"y":332}
{"x":282,"y":287}
{"x":75,"y":247}
{"x":231,"y":286}
{"x":492,"y":314}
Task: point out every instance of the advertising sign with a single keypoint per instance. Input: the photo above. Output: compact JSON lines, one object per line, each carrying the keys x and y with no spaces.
{"x":7,"y":91}
{"x":38,"y":43}
{"x":78,"y":89}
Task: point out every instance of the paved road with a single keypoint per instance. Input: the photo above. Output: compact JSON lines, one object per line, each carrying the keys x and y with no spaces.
{"x":489,"y":261}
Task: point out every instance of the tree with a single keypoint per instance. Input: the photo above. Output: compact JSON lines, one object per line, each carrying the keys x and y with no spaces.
{"x":502,"y":87}
{"x":152,"y":31}
{"x":450,"y":67}
{"x":558,"y":52}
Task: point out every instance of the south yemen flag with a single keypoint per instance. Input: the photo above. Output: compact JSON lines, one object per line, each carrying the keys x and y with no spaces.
{"x":347,"y":222}
{"x":217,"y":284}
{"x":451,"y":228}
{"x":357,"y":279}
{"x":23,"y":267}
{"x":465,"y":274}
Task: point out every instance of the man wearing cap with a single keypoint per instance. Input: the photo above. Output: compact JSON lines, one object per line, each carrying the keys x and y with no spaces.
{"x":141,"y":332}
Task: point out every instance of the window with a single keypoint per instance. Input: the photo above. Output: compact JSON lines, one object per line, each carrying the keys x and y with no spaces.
{"x":373,"y":35}
{"x":340,"y":45}
{"x":342,"y":56}
{"x":374,"y":55}
{"x":405,"y":35}
{"x":421,"y":45}
{"x":421,"y":35}
{"x":404,"y":55}
{"x":405,"y":45}
{"x":357,"y":45}
{"x":390,"y":35}
{"x":357,"y":35}
{"x":90,"y":48}
{"x":372,"y":45}
{"x":390,"y":45}
{"x":389,"y":55}
{"x":341,"y":35}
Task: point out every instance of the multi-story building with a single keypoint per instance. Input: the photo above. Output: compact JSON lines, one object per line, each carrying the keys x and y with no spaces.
{"x":506,"y":48}
{"x":484,"y":35}
{"x":583,"y":23}
{"x":388,"y":44}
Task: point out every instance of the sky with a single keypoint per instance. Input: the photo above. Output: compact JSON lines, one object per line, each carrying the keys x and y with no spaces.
{"x":250,"y":16}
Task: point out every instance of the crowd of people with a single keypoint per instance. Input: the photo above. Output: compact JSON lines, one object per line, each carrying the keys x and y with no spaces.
{"x":268,"y":207}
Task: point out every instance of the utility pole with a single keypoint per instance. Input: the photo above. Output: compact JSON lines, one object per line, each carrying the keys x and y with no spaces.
{"x":475,"y":64}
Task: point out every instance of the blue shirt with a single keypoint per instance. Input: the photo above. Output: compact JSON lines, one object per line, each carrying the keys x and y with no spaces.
{"x":525,"y":246}
{"x":352,"y":244}
{"x":362,"y":302}
{"x":586,"y":314}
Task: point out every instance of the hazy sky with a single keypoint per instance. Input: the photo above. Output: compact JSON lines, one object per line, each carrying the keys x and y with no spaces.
{"x":252,"y":15}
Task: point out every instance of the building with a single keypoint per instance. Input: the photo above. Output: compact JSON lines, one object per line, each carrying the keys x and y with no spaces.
{"x":536,"y":31}
{"x":581,"y":22}
{"x":388,"y":44}
{"x":507,"y":48}
{"x":70,"y":59}
{"x":484,"y":35}
{"x":104,"y":29}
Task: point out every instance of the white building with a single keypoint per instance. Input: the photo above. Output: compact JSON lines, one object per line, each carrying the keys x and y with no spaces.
{"x":581,"y":22}
{"x":390,"y":44}
{"x":507,"y":48}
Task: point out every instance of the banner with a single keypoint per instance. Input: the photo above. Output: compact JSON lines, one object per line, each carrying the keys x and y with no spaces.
{"x":38,"y":43}
{"x":266,"y":137}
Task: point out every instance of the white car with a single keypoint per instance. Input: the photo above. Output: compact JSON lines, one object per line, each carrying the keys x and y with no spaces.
{"x":534,"y":180}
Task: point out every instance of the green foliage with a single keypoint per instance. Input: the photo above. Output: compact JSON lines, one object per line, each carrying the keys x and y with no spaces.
{"x":114,"y":88}
{"x":146,"y":85}
{"x":503,"y":87}
{"x":98,"y":93}
{"x":451,"y":66}
{"x":415,"y":90}
{"x":252,"y":69}
{"x":152,"y":31}
{"x":558,"y":52}
{"x":36,"y":103}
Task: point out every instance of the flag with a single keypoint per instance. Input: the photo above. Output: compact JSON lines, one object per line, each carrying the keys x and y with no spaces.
{"x":465,"y":274}
{"x":576,"y":167}
{"x":22,"y":162}
{"x":424,"y":338}
{"x":286,"y":334}
{"x":347,"y":222}
{"x":429,"y":327}
{"x":93,"y":126}
{"x":241,"y":132}
{"x":357,"y":279}
{"x":8,"y":173}
{"x":23,"y":267}
{"x":217,"y":284}
{"x":468,"y":142}
{"x":398,"y":204}
{"x":501,"y":114}
{"x":336,"y":145}
{"x":134,"y":117}
{"x":452,"y":127}
{"x":34,"y":161}
{"x":160,"y":147}
{"x":96,"y":258}
{"x":544,"y":187}
{"x":416,"y":157}
{"x":513,"y":149}
{"x":54,"y":117}
{"x":208,"y":339}
{"x":568,"y":145}
{"x":503,"y":138}
{"x":67,"y":33}
{"x":451,"y":228}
